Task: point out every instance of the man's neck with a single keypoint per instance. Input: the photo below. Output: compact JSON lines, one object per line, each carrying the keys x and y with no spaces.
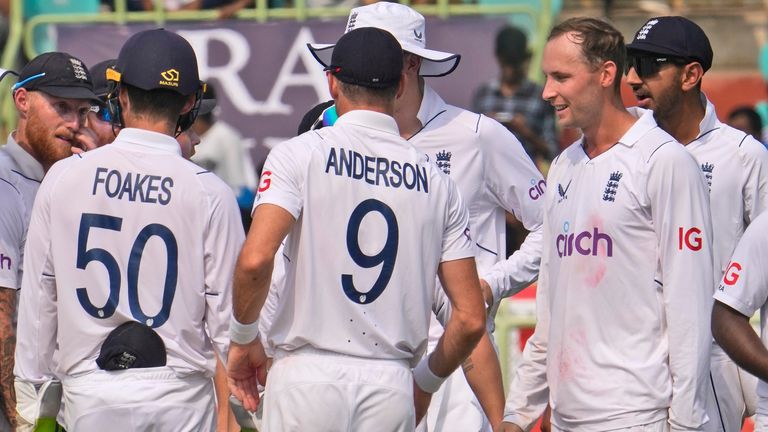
{"x":407,"y":109}
{"x":144,"y":123}
{"x":614,"y":122}
{"x":684,"y":122}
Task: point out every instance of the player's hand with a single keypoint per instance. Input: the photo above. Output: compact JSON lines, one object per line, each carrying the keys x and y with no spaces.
{"x":246,"y":369}
{"x":508,"y":427}
{"x":86,"y":139}
{"x":421,"y":401}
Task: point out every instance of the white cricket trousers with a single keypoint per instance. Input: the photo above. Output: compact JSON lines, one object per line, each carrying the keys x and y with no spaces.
{"x":320,"y":391}
{"x":657,"y":426}
{"x":732,"y":394}
{"x":147,"y":400}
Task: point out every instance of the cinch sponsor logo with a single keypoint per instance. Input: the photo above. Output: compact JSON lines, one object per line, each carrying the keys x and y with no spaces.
{"x":538,"y":189}
{"x":689,"y":238}
{"x":732,"y":274}
{"x":266,"y":181}
{"x":582,"y":243}
{"x":5,"y":262}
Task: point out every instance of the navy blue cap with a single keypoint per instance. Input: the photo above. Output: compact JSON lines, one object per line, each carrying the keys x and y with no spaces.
{"x":366,"y":56}
{"x":673,"y":36}
{"x":158,"y":59}
{"x":57,"y":74}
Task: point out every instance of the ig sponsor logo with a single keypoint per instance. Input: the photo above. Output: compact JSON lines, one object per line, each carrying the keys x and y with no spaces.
{"x":732,"y":273}
{"x":689,"y":238}
{"x":266,"y":181}
{"x":537,"y":189}
{"x":583,"y":243}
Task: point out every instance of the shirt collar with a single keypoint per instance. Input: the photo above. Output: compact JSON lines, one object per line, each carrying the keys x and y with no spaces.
{"x":28,"y":165}
{"x":710,"y":120}
{"x":431,"y":105}
{"x":644,"y":123}
{"x":145,"y":138}
{"x":370,"y":119}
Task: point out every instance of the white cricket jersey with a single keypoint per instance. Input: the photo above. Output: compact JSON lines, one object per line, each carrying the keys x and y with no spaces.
{"x":623,"y":307}
{"x":374,"y":220}
{"x":20,"y":174}
{"x":736,"y":168}
{"x":494,"y":174}
{"x":129,"y":231}
{"x":744,"y":286}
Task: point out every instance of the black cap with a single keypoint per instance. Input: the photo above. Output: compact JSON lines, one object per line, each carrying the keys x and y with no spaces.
{"x":512,"y":46}
{"x":99,"y":75}
{"x":158,"y":59}
{"x":674,"y":36}
{"x":132,"y":345}
{"x":57,"y":74}
{"x":368,"y":57}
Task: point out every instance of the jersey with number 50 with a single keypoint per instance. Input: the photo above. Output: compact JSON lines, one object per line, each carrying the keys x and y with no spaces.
{"x":129,"y":231}
{"x":374,"y":220}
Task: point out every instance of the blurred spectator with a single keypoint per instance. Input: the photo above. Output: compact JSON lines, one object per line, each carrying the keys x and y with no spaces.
{"x":516,"y":102}
{"x":746,"y":119}
{"x":223,"y":151}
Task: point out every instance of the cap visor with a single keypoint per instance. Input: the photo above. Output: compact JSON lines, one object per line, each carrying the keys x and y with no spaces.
{"x":206,"y":106}
{"x":436,"y":63}
{"x":71,"y":93}
{"x":322,"y":53}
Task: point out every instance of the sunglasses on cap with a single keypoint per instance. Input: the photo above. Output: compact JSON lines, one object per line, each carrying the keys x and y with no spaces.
{"x":649,"y":65}
{"x":102,"y":113}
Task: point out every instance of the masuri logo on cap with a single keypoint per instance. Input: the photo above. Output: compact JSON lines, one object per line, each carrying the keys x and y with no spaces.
{"x":170,"y":78}
{"x":171,"y":64}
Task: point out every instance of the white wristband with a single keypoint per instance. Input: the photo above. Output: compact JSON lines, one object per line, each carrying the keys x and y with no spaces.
{"x":243,"y":334}
{"x":425,"y":378}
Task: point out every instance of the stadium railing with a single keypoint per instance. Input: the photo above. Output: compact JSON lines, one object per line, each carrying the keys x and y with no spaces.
{"x":22,"y":32}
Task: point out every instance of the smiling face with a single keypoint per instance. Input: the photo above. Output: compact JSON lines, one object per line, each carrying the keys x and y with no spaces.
{"x":50,"y":124}
{"x":572,"y":85}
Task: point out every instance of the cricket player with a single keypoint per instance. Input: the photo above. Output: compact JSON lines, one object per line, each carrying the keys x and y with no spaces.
{"x":149,"y":244}
{"x":621,"y":340}
{"x":492,"y":171}
{"x":742,"y":291}
{"x":667,"y":61}
{"x":52,"y":97}
{"x":353,"y":317}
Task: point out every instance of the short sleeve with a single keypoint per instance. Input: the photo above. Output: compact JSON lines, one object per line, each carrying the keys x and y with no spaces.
{"x":283,"y":176}
{"x":744,"y":286}
{"x":457,"y":240}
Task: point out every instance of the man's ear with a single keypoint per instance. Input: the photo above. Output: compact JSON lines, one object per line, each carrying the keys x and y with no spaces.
{"x":189,"y":104}
{"x":692,"y":74}
{"x":22,"y":98}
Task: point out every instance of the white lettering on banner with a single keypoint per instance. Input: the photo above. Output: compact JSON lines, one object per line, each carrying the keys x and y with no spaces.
{"x":231,"y":83}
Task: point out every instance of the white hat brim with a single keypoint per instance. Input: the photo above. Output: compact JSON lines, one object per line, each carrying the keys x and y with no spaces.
{"x":434,"y":64}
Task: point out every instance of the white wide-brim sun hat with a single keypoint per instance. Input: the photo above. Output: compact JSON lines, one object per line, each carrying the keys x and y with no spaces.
{"x":406,"y":25}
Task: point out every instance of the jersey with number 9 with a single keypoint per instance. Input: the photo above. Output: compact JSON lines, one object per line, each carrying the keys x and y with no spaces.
{"x":374,"y":220}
